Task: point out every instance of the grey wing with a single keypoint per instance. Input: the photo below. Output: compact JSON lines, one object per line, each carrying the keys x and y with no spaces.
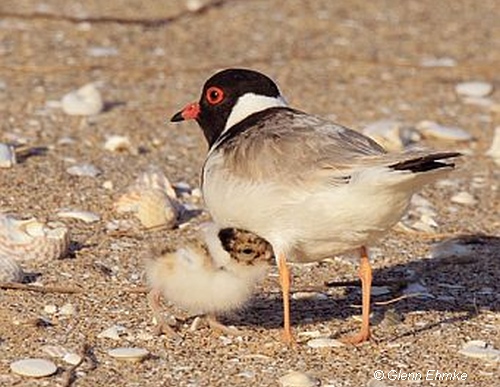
{"x":297,"y":146}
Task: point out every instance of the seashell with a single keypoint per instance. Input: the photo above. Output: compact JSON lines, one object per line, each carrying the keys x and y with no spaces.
{"x":494,"y":151}
{"x":463,"y":197}
{"x":386,"y":133}
{"x":129,"y":353}
{"x":86,"y":101}
{"x":153,"y":208}
{"x":298,"y":379}
{"x":115,"y":332}
{"x":35,"y":368}
{"x":478,"y":101}
{"x":87,"y":170}
{"x":10,"y":271}
{"x":416,"y":288}
{"x":313,"y":296}
{"x":153,"y":178}
{"x":67,"y":309}
{"x":101,"y":52}
{"x":153,"y":200}
{"x":118,"y":144}
{"x":438,"y":62}
{"x":432,"y":129}
{"x":480,"y":349}
{"x":55,"y":350}
{"x":7,"y":156}
{"x":50,"y":309}
{"x":72,"y":358}
{"x":29,"y":239}
{"x":194,"y":5}
{"x":85,"y":216}
{"x":324,"y":342}
{"x":474,"y":89}
{"x":465,"y":248}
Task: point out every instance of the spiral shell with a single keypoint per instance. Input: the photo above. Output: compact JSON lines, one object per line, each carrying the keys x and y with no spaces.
{"x":29,"y":239}
{"x":10,"y":271}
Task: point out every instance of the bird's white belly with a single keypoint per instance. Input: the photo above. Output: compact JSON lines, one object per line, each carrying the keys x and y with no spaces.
{"x":306,"y":226}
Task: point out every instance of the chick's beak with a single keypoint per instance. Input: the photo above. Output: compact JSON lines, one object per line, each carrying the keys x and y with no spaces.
{"x":190,"y":112}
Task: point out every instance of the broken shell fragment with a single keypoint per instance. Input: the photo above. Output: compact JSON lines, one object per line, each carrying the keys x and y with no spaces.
{"x":432,"y":129}
{"x":7,"y":156}
{"x":10,"y":271}
{"x":26,"y":240}
{"x":117,"y":143}
{"x":85,"y":101}
{"x":494,"y":151}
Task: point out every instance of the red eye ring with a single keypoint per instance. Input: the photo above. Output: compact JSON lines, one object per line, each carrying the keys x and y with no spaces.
{"x":214,"y":95}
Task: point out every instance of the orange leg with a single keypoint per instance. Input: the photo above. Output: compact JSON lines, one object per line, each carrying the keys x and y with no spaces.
{"x":161,"y":325}
{"x":284,"y":272}
{"x":365,"y":274}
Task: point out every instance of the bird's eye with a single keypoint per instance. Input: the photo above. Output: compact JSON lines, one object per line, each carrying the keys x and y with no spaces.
{"x":214,"y":95}
{"x":247,"y":251}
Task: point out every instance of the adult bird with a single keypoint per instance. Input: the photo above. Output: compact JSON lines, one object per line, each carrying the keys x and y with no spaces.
{"x":311,"y":187}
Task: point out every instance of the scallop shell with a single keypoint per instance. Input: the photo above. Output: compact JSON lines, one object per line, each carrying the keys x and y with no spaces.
{"x":153,"y":200}
{"x":10,"y":271}
{"x":26,"y":240}
{"x":494,"y":151}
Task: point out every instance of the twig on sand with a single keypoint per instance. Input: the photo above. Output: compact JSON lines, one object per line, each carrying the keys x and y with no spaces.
{"x":39,"y":289}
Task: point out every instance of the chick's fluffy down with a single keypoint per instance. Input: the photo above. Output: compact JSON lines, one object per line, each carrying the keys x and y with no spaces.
{"x":193,"y":281}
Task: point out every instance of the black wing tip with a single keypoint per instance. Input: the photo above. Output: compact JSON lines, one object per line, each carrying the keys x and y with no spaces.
{"x":426,"y":163}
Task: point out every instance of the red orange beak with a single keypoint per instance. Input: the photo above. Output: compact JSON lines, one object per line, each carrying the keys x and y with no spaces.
{"x":190,"y":112}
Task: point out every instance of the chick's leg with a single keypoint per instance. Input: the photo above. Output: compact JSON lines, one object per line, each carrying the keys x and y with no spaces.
{"x":365,"y":275}
{"x":217,"y":325}
{"x":161,"y":325}
{"x":284,"y":273}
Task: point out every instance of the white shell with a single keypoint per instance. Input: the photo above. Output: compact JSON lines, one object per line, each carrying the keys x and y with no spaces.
{"x":432,"y":129}
{"x":85,"y":101}
{"x":87,"y":170}
{"x":7,"y":156}
{"x":464,"y":198}
{"x":309,"y":296}
{"x":117,"y":143}
{"x":153,"y":200}
{"x":494,"y":151}
{"x":474,"y":89}
{"x":72,"y":358}
{"x":386,"y":133}
{"x":35,"y":368}
{"x":324,"y":342}
{"x":480,"y":349}
{"x":115,"y":332}
{"x":298,"y":379}
{"x":29,"y":239}
{"x":55,"y":350}
{"x":129,"y":353}
{"x":84,"y":216}
{"x":10,"y":271}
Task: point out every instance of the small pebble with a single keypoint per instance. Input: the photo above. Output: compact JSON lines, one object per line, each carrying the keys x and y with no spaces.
{"x":35,"y":368}
{"x":100,"y":52}
{"x":87,"y":170}
{"x":118,"y":144}
{"x":85,"y":101}
{"x":474,"y":89}
{"x":7,"y":156}
{"x":50,"y":309}
{"x":464,"y":198}
{"x":67,"y":309}
{"x":380,"y":291}
{"x":385,"y":132}
{"x":481,"y":350}
{"x":84,"y":216}
{"x":108,"y":184}
{"x":324,"y":342}
{"x":298,"y":379}
{"x":129,"y":353}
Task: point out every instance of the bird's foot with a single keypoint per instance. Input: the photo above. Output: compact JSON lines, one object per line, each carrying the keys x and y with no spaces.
{"x":358,"y":338}
{"x":218,"y":326}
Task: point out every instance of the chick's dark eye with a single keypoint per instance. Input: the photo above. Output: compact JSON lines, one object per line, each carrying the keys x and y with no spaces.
{"x":214,"y":95}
